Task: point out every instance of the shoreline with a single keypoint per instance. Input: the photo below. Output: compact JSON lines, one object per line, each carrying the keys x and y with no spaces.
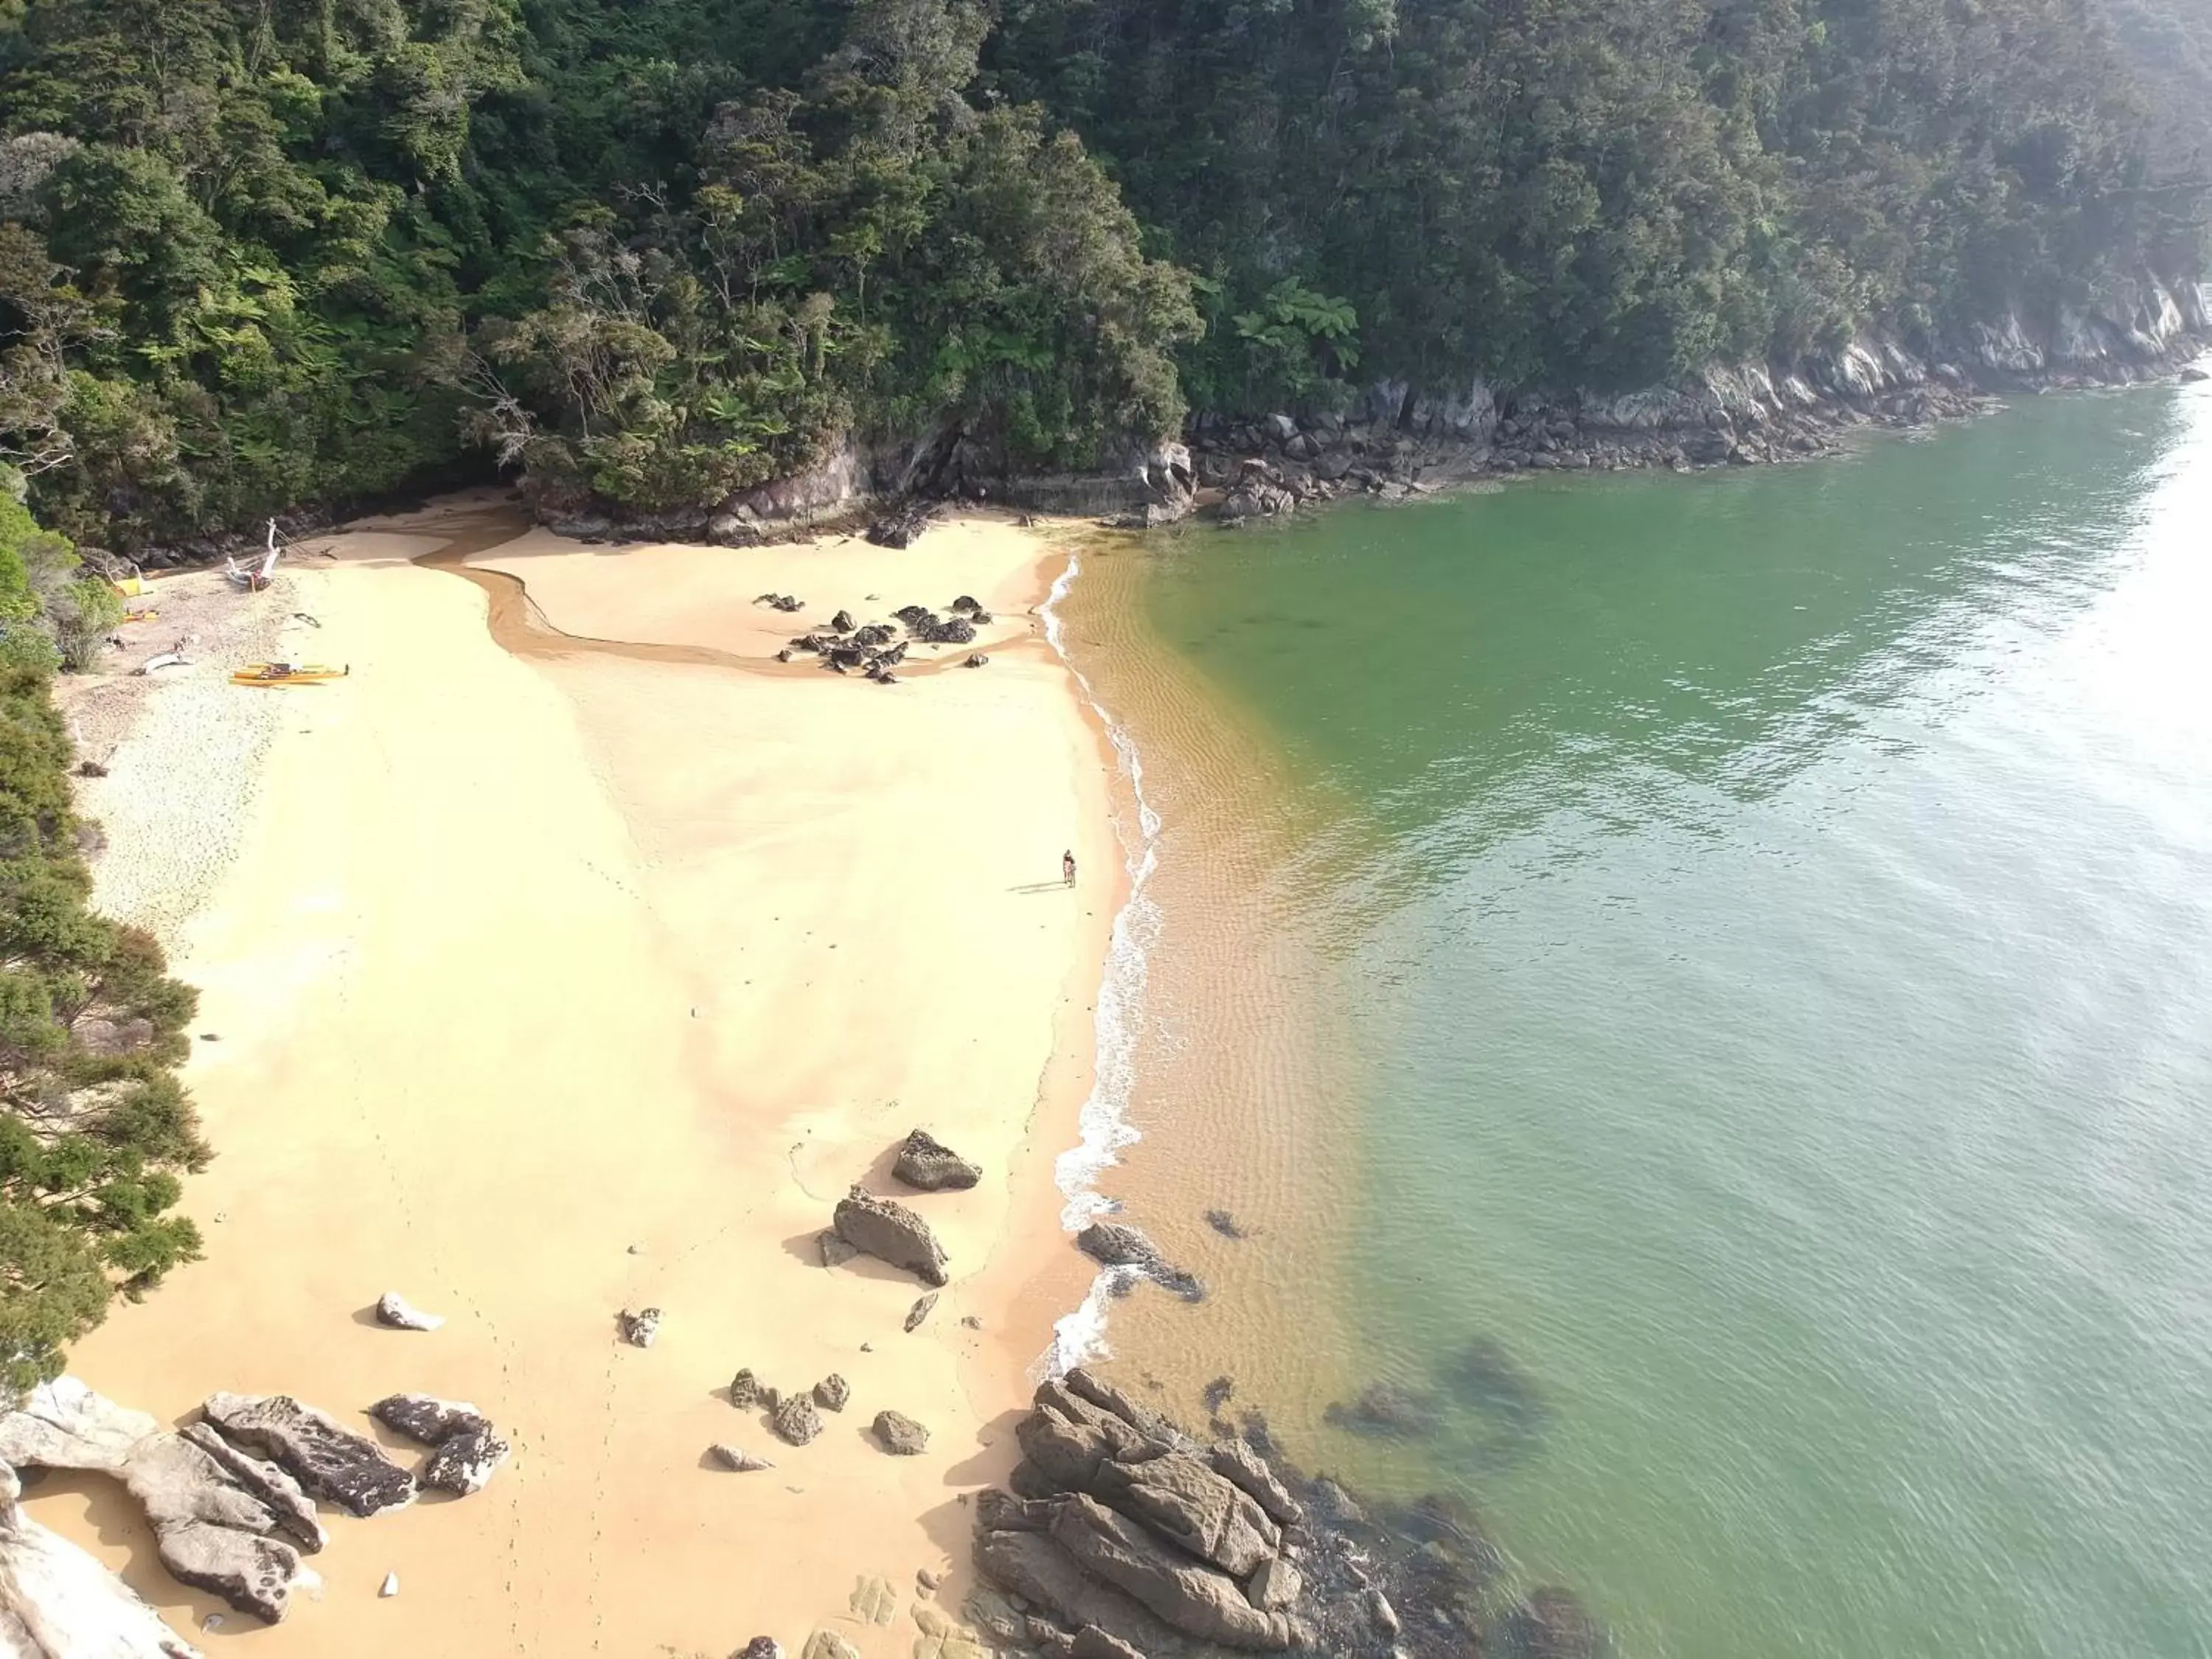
{"x":305,"y":962}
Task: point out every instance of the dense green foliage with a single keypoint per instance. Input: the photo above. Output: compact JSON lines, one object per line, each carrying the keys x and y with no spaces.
{"x":258,"y":252}
{"x":94,"y":1128}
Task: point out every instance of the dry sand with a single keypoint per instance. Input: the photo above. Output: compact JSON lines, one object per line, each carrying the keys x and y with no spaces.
{"x":544,"y":985}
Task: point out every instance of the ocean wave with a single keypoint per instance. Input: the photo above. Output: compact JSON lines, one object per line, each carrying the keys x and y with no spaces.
{"x":1104,"y":1129}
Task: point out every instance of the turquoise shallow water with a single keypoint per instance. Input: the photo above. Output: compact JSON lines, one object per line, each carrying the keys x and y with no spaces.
{"x":1773,"y":917}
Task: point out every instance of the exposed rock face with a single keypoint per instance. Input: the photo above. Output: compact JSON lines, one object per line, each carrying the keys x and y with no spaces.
{"x":900,"y":1435}
{"x":332,"y":1463}
{"x":57,"y":1603}
{"x":1117,"y":1244}
{"x":213,"y":1510}
{"x":395,"y":1310}
{"x":795,"y":1419}
{"x":888,"y":1231}
{"x":1192,"y":1599}
{"x":425,"y":1417}
{"x":279,"y":1492}
{"x":926,"y":1162}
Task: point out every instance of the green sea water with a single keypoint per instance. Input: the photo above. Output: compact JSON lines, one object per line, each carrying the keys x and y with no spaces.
{"x":1772,"y":916}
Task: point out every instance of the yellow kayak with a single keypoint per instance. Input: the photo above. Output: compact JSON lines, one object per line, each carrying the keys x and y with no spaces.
{"x":287,"y":674}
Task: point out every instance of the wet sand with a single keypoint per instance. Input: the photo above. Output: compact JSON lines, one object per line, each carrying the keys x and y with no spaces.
{"x":558,"y":979}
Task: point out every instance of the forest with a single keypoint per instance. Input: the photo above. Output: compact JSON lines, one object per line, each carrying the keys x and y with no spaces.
{"x":259,"y":255}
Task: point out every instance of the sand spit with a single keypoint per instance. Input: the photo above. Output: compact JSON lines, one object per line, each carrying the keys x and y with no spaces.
{"x":550,"y":983}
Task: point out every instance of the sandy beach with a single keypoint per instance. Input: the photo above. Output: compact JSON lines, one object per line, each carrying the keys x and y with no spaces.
{"x":584,"y":968}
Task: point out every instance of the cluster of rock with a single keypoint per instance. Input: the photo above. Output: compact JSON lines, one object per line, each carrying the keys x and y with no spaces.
{"x":1123,"y":1537}
{"x":844,"y":645}
{"x":232,"y":1498}
{"x":903,"y":525}
{"x":1394,"y":441}
{"x":783,"y":602}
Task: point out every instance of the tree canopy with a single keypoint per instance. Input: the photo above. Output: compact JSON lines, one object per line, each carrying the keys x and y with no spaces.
{"x":255,"y":253}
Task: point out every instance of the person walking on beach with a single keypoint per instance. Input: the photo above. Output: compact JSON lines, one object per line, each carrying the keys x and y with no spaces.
{"x":1068,"y":868}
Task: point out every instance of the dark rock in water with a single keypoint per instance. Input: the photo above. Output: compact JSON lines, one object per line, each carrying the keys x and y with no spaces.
{"x":795,"y":1419}
{"x":465,"y":1461}
{"x":926,"y":1163}
{"x":1116,"y":1244}
{"x":888,"y":1231}
{"x":832,"y":1392}
{"x":1386,"y":1409}
{"x":900,"y":1435}
{"x":1218,"y":1392}
{"x":1485,"y":1375}
{"x":329,"y":1462}
{"x":1551,"y":1624}
{"x":1225,"y":1224}
{"x":745,"y":1390}
{"x":920,"y":1311}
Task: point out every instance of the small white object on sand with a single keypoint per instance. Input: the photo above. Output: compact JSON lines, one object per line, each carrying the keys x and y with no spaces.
{"x":390,"y":1586}
{"x":395,"y":1310}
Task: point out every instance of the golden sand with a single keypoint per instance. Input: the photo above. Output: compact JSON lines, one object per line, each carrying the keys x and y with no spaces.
{"x":553,"y":982}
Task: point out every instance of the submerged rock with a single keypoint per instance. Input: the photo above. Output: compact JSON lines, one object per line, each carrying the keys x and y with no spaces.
{"x":1387,"y":1410}
{"x":888,"y":1231}
{"x":1117,"y":1244}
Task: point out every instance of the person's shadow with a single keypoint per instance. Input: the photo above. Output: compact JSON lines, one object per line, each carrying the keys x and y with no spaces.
{"x":1041,"y":887}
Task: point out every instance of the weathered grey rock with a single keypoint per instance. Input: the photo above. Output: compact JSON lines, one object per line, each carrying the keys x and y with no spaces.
{"x":2193,"y":374}
{"x":900,"y":1435}
{"x":1092,"y":1642}
{"x":1087,"y":1386}
{"x":926,"y":1163}
{"x":832,"y":1392}
{"x":762,"y":1647}
{"x":1034,"y":1569}
{"x":828,"y":1645}
{"x":745,"y":1390}
{"x":425,"y":1418}
{"x":279,"y":1492}
{"x":465,"y":1460}
{"x":57,"y":1603}
{"x":992,"y":1614}
{"x":395,"y":1310}
{"x":1185,"y":1502}
{"x":888,"y":1231}
{"x":1237,"y":1461}
{"x":920,"y":1311}
{"x":332,"y":1463}
{"x":736,"y":1458}
{"x":1195,"y":1600}
{"x":63,"y":1424}
{"x":210,"y":1532}
{"x":639,"y":1327}
{"x":1276,"y":1584}
{"x":795,"y":1419}
{"x":1384,"y":1615}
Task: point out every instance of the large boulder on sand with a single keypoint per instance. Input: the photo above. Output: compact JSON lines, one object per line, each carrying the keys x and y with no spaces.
{"x":331,"y":1462}
{"x":900,"y":1435}
{"x":927,"y":1163}
{"x":888,"y":1231}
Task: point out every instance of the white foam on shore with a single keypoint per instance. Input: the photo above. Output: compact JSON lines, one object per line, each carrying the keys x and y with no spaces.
{"x":1105,"y":1130}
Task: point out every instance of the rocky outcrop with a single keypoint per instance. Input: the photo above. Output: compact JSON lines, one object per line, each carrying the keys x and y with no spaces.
{"x":329,"y":1462}
{"x":929,"y":1165}
{"x":1120,"y":1523}
{"x":466,"y":1450}
{"x":1395,"y":441}
{"x":57,"y":1603}
{"x":888,"y":1231}
{"x":215,"y":1512}
{"x":1117,"y":1244}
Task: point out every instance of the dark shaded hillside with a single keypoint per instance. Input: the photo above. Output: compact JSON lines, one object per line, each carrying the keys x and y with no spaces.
{"x":258,"y":253}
